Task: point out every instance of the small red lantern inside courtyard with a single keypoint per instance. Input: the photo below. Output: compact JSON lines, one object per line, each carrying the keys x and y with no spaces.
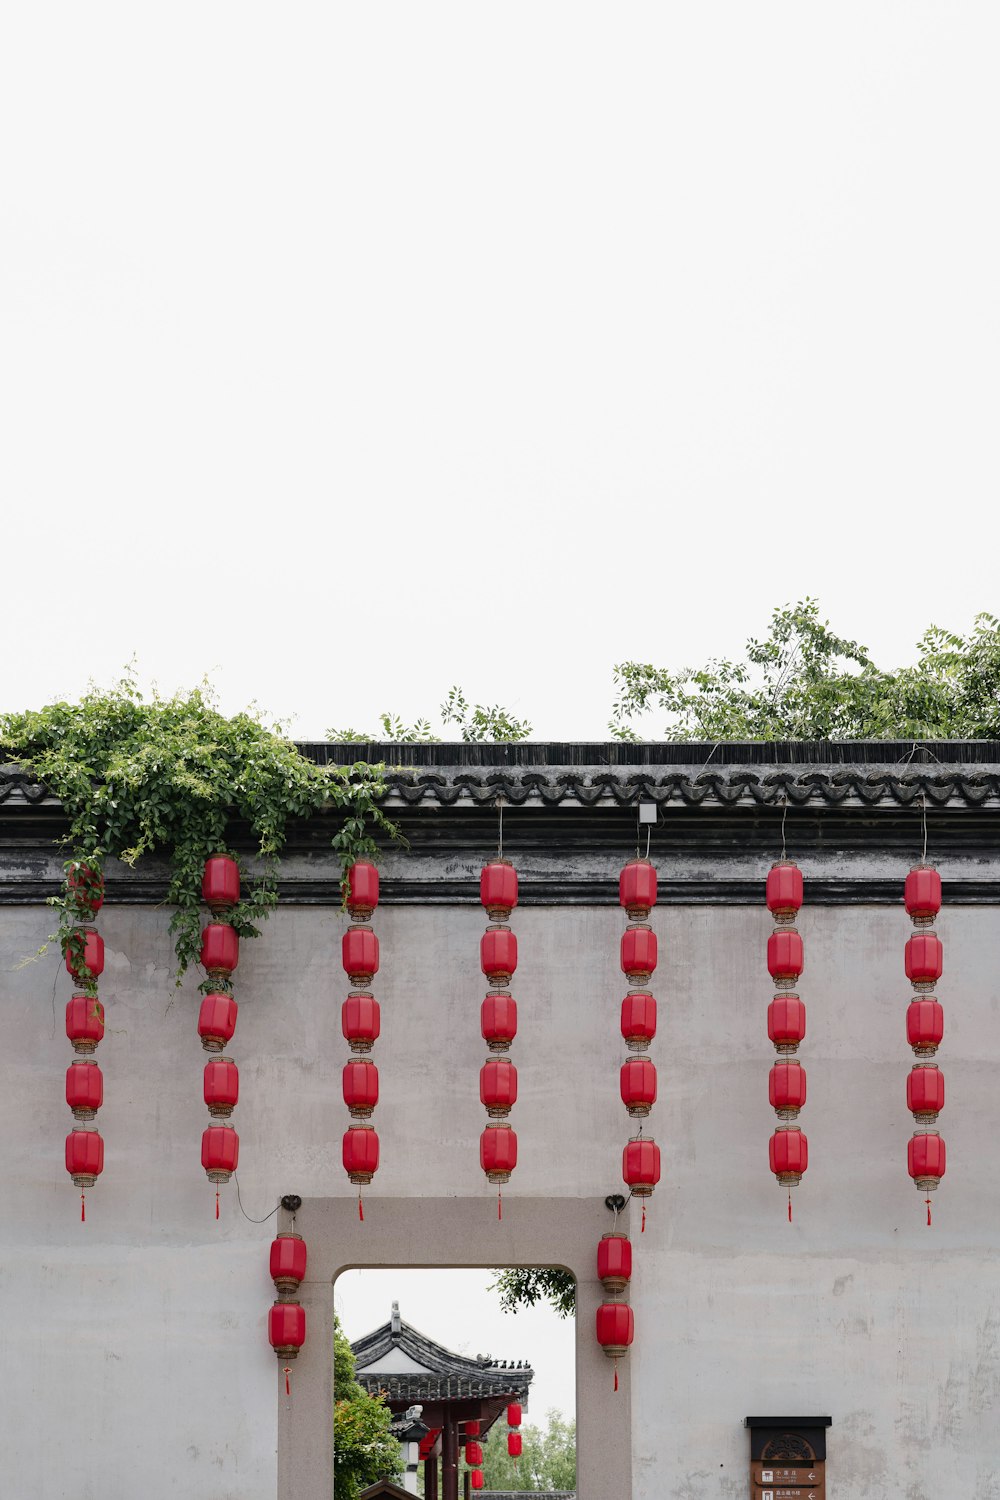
{"x":638,"y":953}
{"x":514,"y":1445}
{"x":360,"y":1021}
{"x":498,"y":1087}
{"x":498,"y":889}
{"x":286,"y":1328}
{"x":288,"y":1261}
{"x":359,"y":949}
{"x":360,"y":1085}
{"x":88,"y":964}
{"x":614,"y":1262}
{"x":220,"y":950}
{"x":476,"y":1479}
{"x":84,"y":1089}
{"x":638,"y":1022}
{"x":217,"y":1021}
{"x":362,"y":890}
{"x":84,"y":1022}
{"x":637,"y":889}
{"x":498,"y":1021}
{"x":473,"y":1452}
{"x":221,"y":1087}
{"x":220,"y":884}
{"x":638,"y":1086}
{"x":615,"y":1330}
{"x":514,"y":1414}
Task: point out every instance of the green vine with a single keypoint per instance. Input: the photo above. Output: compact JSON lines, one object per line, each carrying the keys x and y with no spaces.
{"x":167,"y":776}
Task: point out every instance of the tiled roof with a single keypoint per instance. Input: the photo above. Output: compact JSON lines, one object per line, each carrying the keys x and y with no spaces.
{"x":450,"y":1376}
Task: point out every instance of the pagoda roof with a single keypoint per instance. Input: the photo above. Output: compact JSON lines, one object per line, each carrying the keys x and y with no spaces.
{"x":400,"y":1362}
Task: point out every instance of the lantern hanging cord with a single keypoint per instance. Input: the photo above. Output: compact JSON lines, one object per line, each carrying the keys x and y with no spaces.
{"x":500,"y":828}
{"x":243,"y":1211}
{"x":923,"y":819}
{"x":784,"y":816}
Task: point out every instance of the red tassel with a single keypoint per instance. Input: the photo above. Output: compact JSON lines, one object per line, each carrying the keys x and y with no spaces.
{"x":83,"y":1207}
{"x":643,"y":1229}
{"x":928,"y":1202}
{"x":361,"y":1209}
{"x":217,"y":1203}
{"x":616,"y":1374}
{"x":499,"y":1204}
{"x":789,"y":1205}
{"x":288,"y":1386}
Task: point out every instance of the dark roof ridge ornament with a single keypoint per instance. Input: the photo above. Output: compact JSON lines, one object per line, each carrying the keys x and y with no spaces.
{"x":395,"y":1322}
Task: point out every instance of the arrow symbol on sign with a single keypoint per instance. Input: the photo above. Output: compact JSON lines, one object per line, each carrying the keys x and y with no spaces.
{"x":811,"y":1495}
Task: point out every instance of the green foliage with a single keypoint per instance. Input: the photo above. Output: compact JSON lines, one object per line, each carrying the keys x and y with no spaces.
{"x":363,"y":1447}
{"x":477,"y":724}
{"x":547,"y":1462}
{"x":803,"y":682}
{"x":166,"y":776}
{"x":524,"y":1286}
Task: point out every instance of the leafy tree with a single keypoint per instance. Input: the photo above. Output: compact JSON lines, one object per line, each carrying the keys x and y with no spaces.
{"x":547,"y":1462}
{"x":802,"y":681}
{"x":363,"y":1447}
{"x":477,"y":723}
{"x":524,"y":1286}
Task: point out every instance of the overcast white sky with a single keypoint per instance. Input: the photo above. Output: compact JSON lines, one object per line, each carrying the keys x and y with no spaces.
{"x":347,"y":352}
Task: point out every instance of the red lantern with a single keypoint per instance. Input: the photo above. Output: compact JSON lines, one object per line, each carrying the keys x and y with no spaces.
{"x":362,"y":890}
{"x":220,"y":1152}
{"x":498,"y":1152}
{"x":360,"y":1153}
{"x":641,"y":1166}
{"x":614,"y":1262}
{"x":514,"y":1444}
{"x":217,"y":1021}
{"x":638,"y":1020}
{"x":473,"y":1429}
{"x":220,"y":884}
{"x":84,"y":1089}
{"x":222,"y":1087}
{"x":638,"y":953}
{"x":788,"y":1150}
{"x":360,"y":1082}
{"x":783,"y":891}
{"x":89,"y":965}
{"x":476,"y":1478}
{"x":925,"y":1092}
{"x":84,"y":1157}
{"x":288,"y":1261}
{"x":286,"y":1328}
{"x":84,"y":1022}
{"x":786,"y":1022}
{"x":926,"y":1159}
{"x":924,"y":959}
{"x":922,"y":894}
{"x":637,"y":889}
{"x":787,"y":1089}
{"x":360,"y":1021}
{"x":85,"y":886}
{"x":784,"y":956}
{"x":498,"y":955}
{"x":498,"y":1087}
{"x":220,"y":950}
{"x":638,"y":1086}
{"x":514,"y":1414}
{"x":360,"y":954}
{"x":473,"y":1453}
{"x":924,"y":1026}
{"x":498,"y":889}
{"x":615,"y":1328}
{"x":498,"y":1020}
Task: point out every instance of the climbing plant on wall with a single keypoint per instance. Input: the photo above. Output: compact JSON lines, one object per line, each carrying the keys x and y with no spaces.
{"x":139,"y":776}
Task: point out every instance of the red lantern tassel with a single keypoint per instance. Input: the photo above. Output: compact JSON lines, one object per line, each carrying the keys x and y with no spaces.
{"x":499,"y":1204}
{"x":83,"y":1207}
{"x":643,"y":1229}
{"x":928,"y":1202}
{"x":361,"y":1209}
{"x":789,"y":1205}
{"x":217,"y":1203}
{"x":616,"y":1375}
{"x":288,"y":1384}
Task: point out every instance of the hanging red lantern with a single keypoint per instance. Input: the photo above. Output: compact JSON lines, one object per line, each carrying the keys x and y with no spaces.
{"x":638,"y":1022}
{"x":614,"y":1262}
{"x":362,"y":890}
{"x":84,"y":1022}
{"x":360,"y":1153}
{"x":84,"y":1089}
{"x":514,"y":1414}
{"x":498,"y":955}
{"x":922,"y":894}
{"x":360,"y":1021}
{"x":220,"y":950}
{"x":924,"y":1026}
{"x":638,"y":1086}
{"x":286,"y":1328}
{"x":473,"y":1453}
{"x":785,"y":956}
{"x":786,"y":1022}
{"x":638,"y":953}
{"x":360,"y":1083}
{"x":476,"y":1478}
{"x":498,"y":1021}
{"x":498,"y":1152}
{"x":217,"y":1021}
{"x":498,"y":1087}
{"x":514,"y":1445}
{"x":926,"y":1159}
{"x":783,"y":891}
{"x":473,"y":1429}
{"x":88,"y":962}
{"x":85,"y":886}
{"x":84,"y":1156}
{"x":924,"y":960}
{"x":220,"y":1152}
{"x":221,"y":1087}
{"x":637,"y":889}
{"x":615,"y":1328}
{"x":498,"y":889}
{"x":360,"y":955}
{"x":288,"y":1261}
{"x":925,"y":1092}
{"x":641,"y":1166}
{"x":786,"y":1089}
{"x":788,"y":1151}
{"x":220,"y":884}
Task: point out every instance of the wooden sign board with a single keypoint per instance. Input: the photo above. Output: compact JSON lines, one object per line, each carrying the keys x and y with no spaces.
{"x":772,"y":1481}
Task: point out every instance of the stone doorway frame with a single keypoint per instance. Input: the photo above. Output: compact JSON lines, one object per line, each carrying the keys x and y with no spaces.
{"x":438,"y":1233}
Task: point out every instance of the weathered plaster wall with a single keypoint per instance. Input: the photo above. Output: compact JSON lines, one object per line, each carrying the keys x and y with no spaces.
{"x":134,"y":1347}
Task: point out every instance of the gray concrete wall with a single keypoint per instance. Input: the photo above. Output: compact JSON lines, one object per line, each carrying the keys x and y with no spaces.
{"x":134,"y":1347}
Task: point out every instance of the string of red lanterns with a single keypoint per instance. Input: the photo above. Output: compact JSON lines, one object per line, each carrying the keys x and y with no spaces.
{"x":220,"y":954}
{"x":641,"y":1156}
{"x":498,"y":1016}
{"x":514,"y":1415}
{"x":360,"y":1023}
{"x":286,"y":1318}
{"x":788,"y":1150}
{"x":924,"y":964}
{"x":85,"y":1029}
